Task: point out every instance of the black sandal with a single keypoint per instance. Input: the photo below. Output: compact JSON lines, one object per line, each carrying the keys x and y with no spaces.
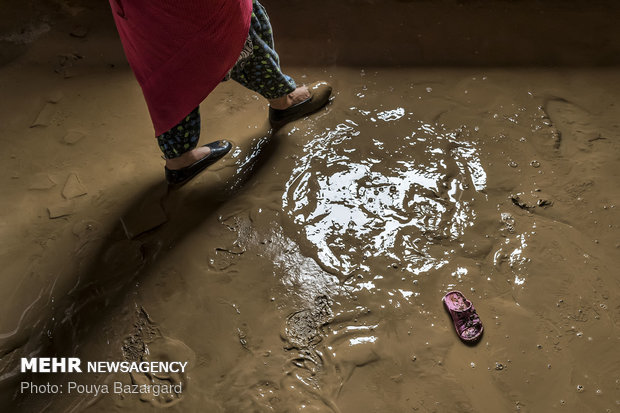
{"x":319,"y":97}
{"x":179,"y":177}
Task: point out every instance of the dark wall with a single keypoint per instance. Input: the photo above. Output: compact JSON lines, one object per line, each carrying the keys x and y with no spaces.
{"x":447,"y":32}
{"x":364,"y":33}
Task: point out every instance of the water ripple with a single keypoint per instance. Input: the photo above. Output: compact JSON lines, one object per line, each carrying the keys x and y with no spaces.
{"x":390,"y":199}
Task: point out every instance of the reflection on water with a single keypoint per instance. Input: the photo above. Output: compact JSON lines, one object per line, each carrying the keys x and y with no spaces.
{"x":320,"y":290}
{"x":364,"y":204}
{"x":382,"y":192}
{"x":511,"y":252}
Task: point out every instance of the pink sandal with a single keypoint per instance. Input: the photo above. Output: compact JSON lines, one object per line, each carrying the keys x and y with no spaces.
{"x":466,"y":321}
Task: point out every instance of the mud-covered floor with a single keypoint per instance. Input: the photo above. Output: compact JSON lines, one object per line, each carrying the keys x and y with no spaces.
{"x":305,"y":271}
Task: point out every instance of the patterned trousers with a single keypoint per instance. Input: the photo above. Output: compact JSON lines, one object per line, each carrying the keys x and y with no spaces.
{"x":258,"y":69}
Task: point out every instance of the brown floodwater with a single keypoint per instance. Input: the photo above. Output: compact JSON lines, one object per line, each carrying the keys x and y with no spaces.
{"x":305,"y":272}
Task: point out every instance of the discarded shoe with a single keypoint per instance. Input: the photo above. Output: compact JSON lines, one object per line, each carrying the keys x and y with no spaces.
{"x":319,"y":96}
{"x":466,"y":321}
{"x":179,"y":177}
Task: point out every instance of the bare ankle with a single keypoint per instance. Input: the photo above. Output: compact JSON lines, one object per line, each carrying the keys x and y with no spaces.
{"x":280,"y":103}
{"x":187,"y":158}
{"x":300,"y":94}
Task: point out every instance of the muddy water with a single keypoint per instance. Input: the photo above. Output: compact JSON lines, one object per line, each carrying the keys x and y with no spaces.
{"x":305,"y":272}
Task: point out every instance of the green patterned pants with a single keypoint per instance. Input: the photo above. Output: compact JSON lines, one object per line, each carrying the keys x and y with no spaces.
{"x":260,"y":72}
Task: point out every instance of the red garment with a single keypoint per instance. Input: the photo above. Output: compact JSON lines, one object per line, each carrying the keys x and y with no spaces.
{"x":180,"y":50}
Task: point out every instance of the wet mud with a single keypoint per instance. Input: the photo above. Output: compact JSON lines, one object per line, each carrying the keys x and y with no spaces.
{"x":305,"y":272}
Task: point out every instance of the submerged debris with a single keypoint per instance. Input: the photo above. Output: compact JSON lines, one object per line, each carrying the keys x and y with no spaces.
{"x":530,"y":201}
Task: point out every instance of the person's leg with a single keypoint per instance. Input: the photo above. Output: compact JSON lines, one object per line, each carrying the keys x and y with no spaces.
{"x":182,"y":138}
{"x":261,"y":71}
{"x":179,"y":143}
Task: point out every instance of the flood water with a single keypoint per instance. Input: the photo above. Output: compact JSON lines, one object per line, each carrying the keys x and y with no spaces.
{"x":304,"y":273}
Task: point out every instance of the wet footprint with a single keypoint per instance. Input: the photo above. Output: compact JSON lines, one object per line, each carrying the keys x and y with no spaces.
{"x":148,"y":344}
{"x":302,"y":329}
{"x":574,"y":125}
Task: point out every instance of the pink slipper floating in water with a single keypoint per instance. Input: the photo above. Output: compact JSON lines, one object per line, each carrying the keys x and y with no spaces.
{"x":466,"y":321}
